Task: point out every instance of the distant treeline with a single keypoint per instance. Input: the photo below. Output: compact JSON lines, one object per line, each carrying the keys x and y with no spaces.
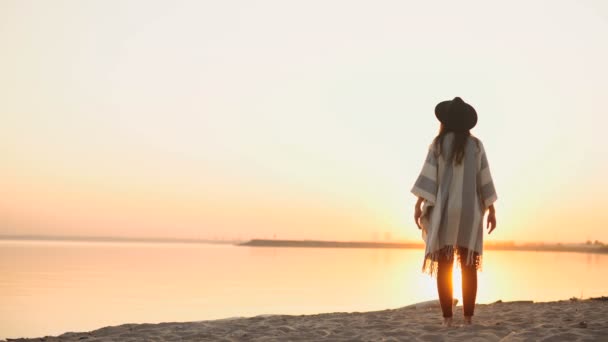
{"x":327,"y":244}
{"x":585,"y":248}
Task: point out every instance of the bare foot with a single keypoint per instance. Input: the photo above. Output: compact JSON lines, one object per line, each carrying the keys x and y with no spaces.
{"x":447,"y":322}
{"x":468,"y":320}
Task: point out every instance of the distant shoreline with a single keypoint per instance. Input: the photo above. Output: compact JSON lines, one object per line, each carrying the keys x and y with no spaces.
{"x":504,"y":246}
{"x":580,"y":248}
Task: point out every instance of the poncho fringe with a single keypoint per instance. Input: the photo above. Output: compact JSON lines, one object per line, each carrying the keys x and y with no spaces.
{"x":463,"y":256}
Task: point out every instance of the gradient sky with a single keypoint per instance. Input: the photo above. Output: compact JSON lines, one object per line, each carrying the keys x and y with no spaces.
{"x":308,"y":119}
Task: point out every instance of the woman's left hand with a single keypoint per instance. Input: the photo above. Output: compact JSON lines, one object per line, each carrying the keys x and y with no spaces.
{"x":418,"y":212}
{"x":417,"y":216}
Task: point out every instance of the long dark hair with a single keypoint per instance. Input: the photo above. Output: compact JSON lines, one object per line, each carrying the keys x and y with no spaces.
{"x":458,"y":145}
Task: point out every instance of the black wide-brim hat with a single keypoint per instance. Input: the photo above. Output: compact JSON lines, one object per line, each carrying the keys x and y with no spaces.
{"x":456,"y":114}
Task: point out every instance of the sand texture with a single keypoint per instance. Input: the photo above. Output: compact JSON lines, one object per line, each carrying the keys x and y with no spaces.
{"x":567,"y":320}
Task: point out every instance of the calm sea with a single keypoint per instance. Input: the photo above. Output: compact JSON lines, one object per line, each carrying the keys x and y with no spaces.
{"x":48,"y":288}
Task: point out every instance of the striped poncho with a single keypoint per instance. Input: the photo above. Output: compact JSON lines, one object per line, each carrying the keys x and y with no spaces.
{"x":455,"y":199}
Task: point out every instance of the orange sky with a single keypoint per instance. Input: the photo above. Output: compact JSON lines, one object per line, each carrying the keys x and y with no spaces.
{"x":307,"y":120}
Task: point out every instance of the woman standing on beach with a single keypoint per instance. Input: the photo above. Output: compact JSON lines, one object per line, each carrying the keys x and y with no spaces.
{"x":454,"y":190}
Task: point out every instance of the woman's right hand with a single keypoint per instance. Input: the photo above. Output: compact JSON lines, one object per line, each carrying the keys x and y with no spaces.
{"x":491,"y":220}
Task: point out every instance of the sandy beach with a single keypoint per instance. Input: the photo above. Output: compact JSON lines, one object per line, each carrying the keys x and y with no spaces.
{"x":566,"y":320}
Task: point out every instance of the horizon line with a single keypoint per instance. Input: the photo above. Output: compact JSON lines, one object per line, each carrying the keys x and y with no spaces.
{"x":102,"y":238}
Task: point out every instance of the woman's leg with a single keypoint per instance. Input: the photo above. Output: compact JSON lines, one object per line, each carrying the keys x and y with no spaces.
{"x":469,"y":285}
{"x":444,"y":284}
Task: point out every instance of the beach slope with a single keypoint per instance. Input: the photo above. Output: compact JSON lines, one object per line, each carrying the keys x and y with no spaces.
{"x":569,"y":320}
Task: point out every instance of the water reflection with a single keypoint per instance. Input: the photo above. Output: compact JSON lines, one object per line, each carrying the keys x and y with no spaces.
{"x":49,"y":288}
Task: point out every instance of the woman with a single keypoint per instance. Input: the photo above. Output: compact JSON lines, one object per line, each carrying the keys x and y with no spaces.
{"x":454,"y":190}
